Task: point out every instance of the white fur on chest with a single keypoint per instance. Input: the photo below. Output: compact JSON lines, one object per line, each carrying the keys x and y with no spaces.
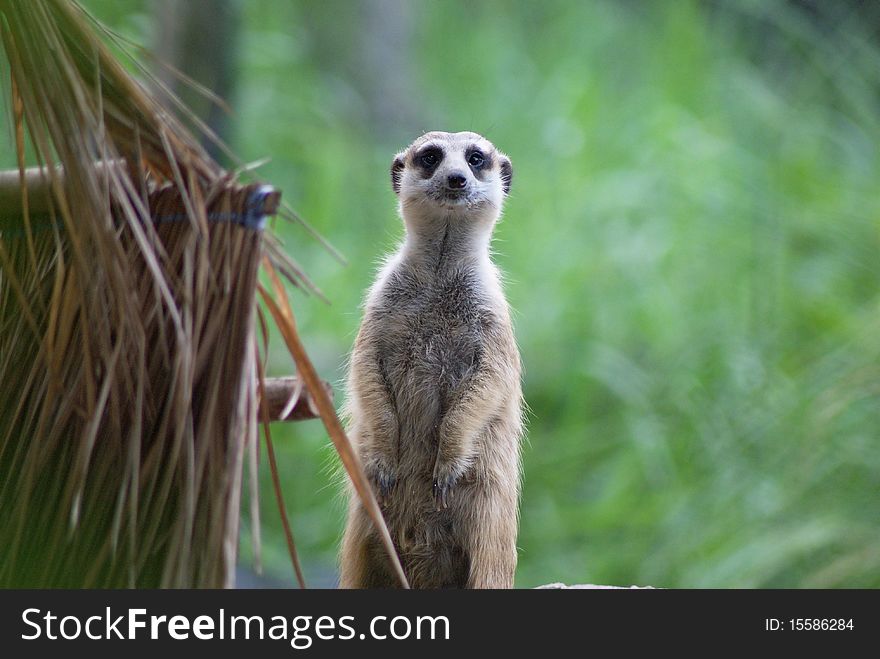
{"x":431,"y":333}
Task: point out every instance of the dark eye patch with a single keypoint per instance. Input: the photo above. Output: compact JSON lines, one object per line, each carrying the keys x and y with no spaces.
{"x":476,"y":159}
{"x":480,"y":162}
{"x":428,"y":159}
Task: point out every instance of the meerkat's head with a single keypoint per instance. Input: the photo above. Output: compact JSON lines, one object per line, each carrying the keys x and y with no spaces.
{"x":451,"y":175}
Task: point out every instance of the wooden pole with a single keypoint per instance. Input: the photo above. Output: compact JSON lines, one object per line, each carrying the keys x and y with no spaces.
{"x":289,"y":400}
{"x":37,"y":181}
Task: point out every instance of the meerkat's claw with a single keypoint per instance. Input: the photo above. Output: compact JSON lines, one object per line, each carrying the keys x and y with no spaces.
{"x":385,"y":484}
{"x":384,"y":481}
{"x":442,"y":491}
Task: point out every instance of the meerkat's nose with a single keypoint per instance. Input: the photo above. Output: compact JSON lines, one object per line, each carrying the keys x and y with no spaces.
{"x":456,"y":181}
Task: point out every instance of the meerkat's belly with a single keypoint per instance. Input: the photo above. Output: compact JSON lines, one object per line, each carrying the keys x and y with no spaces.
{"x":429,"y":350}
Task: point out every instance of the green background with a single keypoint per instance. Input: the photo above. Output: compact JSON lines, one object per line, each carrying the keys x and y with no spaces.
{"x":691,"y":247}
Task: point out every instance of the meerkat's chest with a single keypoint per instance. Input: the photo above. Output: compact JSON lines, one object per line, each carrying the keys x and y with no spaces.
{"x":431,"y":338}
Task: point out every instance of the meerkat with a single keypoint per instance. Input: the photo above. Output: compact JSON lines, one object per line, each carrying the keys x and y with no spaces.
{"x":435,"y":402}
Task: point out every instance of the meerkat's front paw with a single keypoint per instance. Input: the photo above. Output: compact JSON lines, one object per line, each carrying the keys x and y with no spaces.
{"x":383,"y":479}
{"x":442,"y":492}
{"x":445,"y":478}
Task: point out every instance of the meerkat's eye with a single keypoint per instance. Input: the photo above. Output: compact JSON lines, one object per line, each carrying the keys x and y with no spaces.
{"x":430,"y":158}
{"x":476,"y":159}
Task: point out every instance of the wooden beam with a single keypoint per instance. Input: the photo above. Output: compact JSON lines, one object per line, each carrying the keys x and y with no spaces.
{"x":39,"y":187}
{"x":288,"y":399}
{"x":37,"y":182}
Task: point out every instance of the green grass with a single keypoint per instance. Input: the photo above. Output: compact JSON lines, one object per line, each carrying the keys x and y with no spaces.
{"x":691,"y":247}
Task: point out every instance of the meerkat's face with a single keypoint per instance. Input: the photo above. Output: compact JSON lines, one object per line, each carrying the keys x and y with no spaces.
{"x":462,"y":173}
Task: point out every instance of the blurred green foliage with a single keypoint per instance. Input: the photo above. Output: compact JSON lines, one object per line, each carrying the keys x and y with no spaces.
{"x":692,"y":247}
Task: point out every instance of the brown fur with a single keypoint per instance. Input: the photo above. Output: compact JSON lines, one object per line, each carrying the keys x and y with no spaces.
{"x":435,"y":404}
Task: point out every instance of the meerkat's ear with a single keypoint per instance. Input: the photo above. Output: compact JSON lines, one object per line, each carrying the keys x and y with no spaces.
{"x":397,"y":171}
{"x":506,"y":174}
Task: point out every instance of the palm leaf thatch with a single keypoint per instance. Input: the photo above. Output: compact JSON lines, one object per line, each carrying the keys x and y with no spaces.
{"x":128,"y":361}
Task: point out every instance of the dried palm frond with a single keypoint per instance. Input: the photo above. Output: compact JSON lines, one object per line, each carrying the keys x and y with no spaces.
{"x":128,"y":270}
